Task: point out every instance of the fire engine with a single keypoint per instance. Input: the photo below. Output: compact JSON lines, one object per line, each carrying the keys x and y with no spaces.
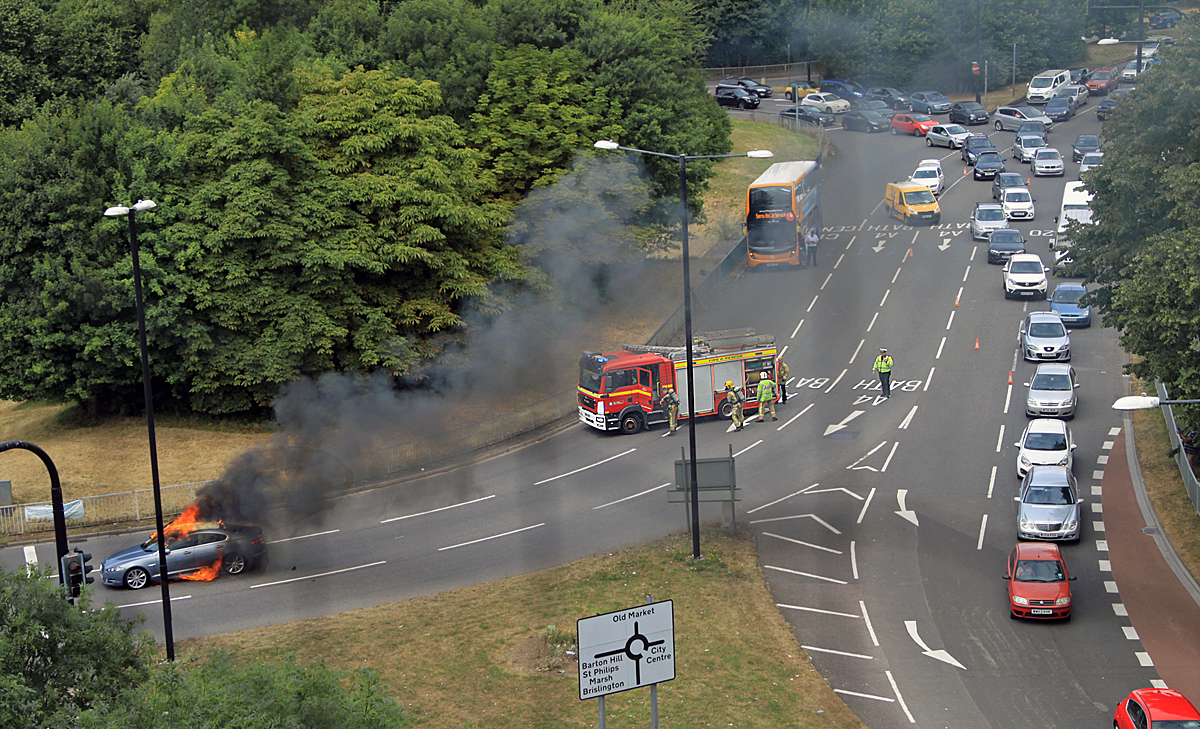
{"x":623,"y":390}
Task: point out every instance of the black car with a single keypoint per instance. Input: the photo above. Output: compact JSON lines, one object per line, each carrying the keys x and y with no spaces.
{"x":1104,"y":108}
{"x":749,"y":84}
{"x":893,"y":97}
{"x":1059,"y":109}
{"x":810,"y":114}
{"x":736,"y":96}
{"x":873,"y":105}
{"x":865,"y":120}
{"x":1003,"y":243}
{"x":974,"y":146}
{"x":968,"y":112}
{"x":233,"y":549}
{"x":1084,"y":143}
{"x":1080,"y":76}
{"x":1006,"y":180}
{"x":988,"y":165}
{"x":1165,"y":18}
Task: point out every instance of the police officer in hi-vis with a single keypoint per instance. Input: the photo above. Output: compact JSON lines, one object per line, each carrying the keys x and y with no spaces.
{"x":883,"y":365}
{"x":766,"y":396}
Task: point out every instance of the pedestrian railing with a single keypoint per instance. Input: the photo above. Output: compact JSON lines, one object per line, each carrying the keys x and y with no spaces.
{"x":89,"y":511}
{"x":1185,"y":468}
{"x":787,"y":71}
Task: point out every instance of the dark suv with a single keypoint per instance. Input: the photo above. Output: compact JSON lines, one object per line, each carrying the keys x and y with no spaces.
{"x":844,"y":88}
{"x":749,"y":84}
{"x":975,"y":145}
{"x":736,"y":96}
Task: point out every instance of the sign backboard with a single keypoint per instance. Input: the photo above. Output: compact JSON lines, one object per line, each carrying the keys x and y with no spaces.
{"x":626,"y":649}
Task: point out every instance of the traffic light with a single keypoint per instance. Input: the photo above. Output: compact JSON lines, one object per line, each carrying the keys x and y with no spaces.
{"x":75,"y":569}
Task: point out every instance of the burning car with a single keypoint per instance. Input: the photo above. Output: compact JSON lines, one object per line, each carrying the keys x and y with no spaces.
{"x":196,"y":550}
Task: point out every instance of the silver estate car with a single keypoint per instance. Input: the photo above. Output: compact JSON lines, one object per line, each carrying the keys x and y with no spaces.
{"x":1052,"y":392}
{"x":1048,"y":507}
{"x":1043,"y":336}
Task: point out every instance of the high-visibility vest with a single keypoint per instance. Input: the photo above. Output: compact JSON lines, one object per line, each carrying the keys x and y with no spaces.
{"x":883,"y":363}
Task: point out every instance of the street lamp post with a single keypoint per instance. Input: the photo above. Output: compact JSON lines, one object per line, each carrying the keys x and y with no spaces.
{"x":130,"y":212}
{"x":687,"y":309}
{"x":1144,"y":402}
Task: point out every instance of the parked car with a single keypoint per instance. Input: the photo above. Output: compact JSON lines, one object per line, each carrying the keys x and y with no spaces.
{"x":1017,"y":203}
{"x":986,"y":220}
{"x":975,"y":145}
{"x":914,"y":124}
{"x":828,"y":103}
{"x":842,"y":88}
{"x":810,"y":114}
{"x":1025,"y":275}
{"x":969,"y":112}
{"x":1104,"y":108}
{"x":875,"y":105}
{"x":929,"y":173}
{"x":1048,"y":507}
{"x":1005,"y":243}
{"x":1060,"y":109}
{"x":234,"y":549}
{"x":1045,"y":442}
{"x":1005,"y":180}
{"x":929,"y":102}
{"x":1025,"y":145}
{"x":946,"y":135}
{"x":749,"y":84}
{"x":736,"y":96}
{"x":1075,"y":92}
{"x":988,"y":164}
{"x":865,"y":120}
{"x":1039,"y":585}
{"x":798,"y":90}
{"x":1103,"y":80}
{"x":1043,"y":336}
{"x":1165,"y":18}
{"x":1011,"y":117}
{"x":1047,"y":161}
{"x":1065,"y":303}
{"x":1090,"y":161}
{"x":891,"y":96}
{"x":1153,"y":707}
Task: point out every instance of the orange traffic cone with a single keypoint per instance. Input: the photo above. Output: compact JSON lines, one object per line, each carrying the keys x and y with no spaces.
{"x":956,"y":299}
{"x":1010,"y":377}
{"x":976,"y":342}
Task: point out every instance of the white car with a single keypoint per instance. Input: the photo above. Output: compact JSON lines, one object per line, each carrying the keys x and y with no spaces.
{"x":946,"y":135}
{"x":1025,"y":275}
{"x":1079,"y":94}
{"x":828,"y":103}
{"x":929,"y":173}
{"x":1045,"y":442}
{"x":1131,"y":70}
{"x":1025,"y":145}
{"x":1091,"y":160}
{"x":1017,"y":203}
{"x":1047,"y":161}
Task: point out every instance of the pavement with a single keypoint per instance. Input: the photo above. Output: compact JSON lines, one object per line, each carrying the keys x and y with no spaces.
{"x":1162,"y":599}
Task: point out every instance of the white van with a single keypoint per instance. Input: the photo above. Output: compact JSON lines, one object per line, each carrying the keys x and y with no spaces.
{"x":1076,"y":205}
{"x":1044,"y":85}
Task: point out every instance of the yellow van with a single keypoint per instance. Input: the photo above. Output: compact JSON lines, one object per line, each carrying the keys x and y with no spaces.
{"x":912,"y":202}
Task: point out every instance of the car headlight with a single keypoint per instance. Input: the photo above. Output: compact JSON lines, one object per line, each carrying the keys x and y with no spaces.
{"x":112,"y":569}
{"x":912,"y":211}
{"x":1027,"y":525}
{"x":1063,"y":460}
{"x":1031,"y":402}
{"x":1071,"y":525}
{"x":1025,"y":461}
{"x":1063,"y":601}
{"x":1020,"y":600}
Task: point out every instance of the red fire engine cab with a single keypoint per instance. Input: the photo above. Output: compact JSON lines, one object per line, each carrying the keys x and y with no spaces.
{"x":623,"y":390}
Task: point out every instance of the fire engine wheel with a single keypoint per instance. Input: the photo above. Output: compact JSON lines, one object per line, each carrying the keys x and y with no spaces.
{"x":726,"y":410}
{"x":631,"y":423}
{"x":137,"y":578}
{"x":235,"y":564}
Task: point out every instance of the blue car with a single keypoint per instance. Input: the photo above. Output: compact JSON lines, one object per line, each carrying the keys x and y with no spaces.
{"x":1065,"y":303}
{"x":206,"y":546}
{"x":930,"y":102}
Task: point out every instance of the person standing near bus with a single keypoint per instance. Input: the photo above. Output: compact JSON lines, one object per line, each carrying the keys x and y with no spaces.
{"x":810,"y":244}
{"x":766,"y":396}
{"x":883,"y":365}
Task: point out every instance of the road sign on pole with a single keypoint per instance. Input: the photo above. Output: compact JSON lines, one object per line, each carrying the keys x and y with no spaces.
{"x":626,"y":649}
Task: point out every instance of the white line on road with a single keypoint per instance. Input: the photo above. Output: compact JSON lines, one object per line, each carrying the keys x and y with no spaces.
{"x":803,"y":544}
{"x":783,"y":352}
{"x":908,"y":418}
{"x":319,"y":574}
{"x":1007,"y":399}
{"x":992,"y":482}
{"x":885,"y":294}
{"x":1158,"y":683}
{"x":789,"y":422}
{"x":972,"y":258}
{"x":958,"y":297}
{"x":950,"y":321}
{"x":1119,"y":610}
{"x":797,"y":329}
{"x":940,"y":348}
{"x":815,"y":610}
{"x":1000,"y":439}
{"x":30,"y":554}
{"x":580,"y":470}
{"x":826,"y":281}
{"x":814,"y":303}
{"x":434,"y":511}
{"x":851,"y":242}
{"x":735,"y":455}
{"x":900,"y":698}
{"x":1130,"y":632}
{"x":982,"y":530}
{"x":152,"y":602}
{"x":872,"y":321}
{"x":804,"y":574}
{"x":965,"y":274}
{"x":869,"y":454}
{"x":836,"y":653}
{"x":863,"y":696}
{"x":1102,"y":460}
{"x":1114,"y":431}
{"x":853,"y":560}
{"x":848,"y":492}
{"x":814,"y":517}
{"x":839,"y":260}
{"x":306,"y":536}
{"x":494,"y":536}
{"x":1144,"y":659}
{"x":861,"y":342}
{"x":1107,"y":445}
{"x":634,"y":496}
{"x":867,"y":619}
{"x":896,"y":274}
{"x":1105,"y":565}
{"x":861,"y":514}
{"x":835,"y":381}
{"x":889,"y":458}
{"x":1110,"y":586}
{"x":928,"y":380}
{"x":785,"y":498}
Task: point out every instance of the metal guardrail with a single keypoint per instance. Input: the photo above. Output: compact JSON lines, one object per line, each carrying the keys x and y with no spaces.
{"x":21,"y":519}
{"x":1190,"y":484}
{"x":786,"y":71}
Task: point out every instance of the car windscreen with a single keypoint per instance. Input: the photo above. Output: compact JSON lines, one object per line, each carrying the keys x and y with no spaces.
{"x":990,"y":158}
{"x":1026,"y":267}
{"x":1032,"y":142}
{"x":1017,"y":196}
{"x":1046,"y":442}
{"x":1087,"y":140}
{"x":1101,"y":75}
{"x":1008,"y":235}
{"x":925,"y":174}
{"x":954,"y":129}
{"x":1067,"y":296}
{"x":989,"y":214}
{"x":1041,"y":83}
{"x":973,"y":142}
{"x":1029,"y":111}
{"x":920,"y":118}
{"x":1043,"y":329}
{"x":971,"y":106}
{"x":934,"y":96}
{"x":1095,"y":158}
{"x":1041,"y":570}
{"x":1057,"y":102}
{"x":869,"y":114}
{"x":1049,"y":495}
{"x":1052,"y":383}
{"x":1050,"y":154}
{"x":918,"y":197}
{"x":590,"y":374}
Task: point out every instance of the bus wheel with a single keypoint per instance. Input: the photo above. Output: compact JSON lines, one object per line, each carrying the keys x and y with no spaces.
{"x":631,"y":423}
{"x":726,"y":410}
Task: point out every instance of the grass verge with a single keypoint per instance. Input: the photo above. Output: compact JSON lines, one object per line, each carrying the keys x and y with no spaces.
{"x":485,"y":655}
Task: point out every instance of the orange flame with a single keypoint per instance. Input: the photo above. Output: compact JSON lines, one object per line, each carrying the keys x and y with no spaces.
{"x":186,"y":523}
{"x":205,"y":574}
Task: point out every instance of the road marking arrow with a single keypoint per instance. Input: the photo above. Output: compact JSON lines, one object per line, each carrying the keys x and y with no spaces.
{"x":878,"y":248}
{"x":944,"y":244}
{"x":941,"y":655}
{"x":904,"y":512}
{"x":855,"y":467}
{"x":845,"y":420}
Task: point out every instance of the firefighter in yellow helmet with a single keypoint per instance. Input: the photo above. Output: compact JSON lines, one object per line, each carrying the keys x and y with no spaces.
{"x":670,"y":401}
{"x":782,"y":374}
{"x":735,"y":398}
{"x":766,"y":396}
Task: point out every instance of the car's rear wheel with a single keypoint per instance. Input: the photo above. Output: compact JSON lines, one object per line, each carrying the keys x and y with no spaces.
{"x":137,"y":578}
{"x":999,"y":126}
{"x":235,"y":564}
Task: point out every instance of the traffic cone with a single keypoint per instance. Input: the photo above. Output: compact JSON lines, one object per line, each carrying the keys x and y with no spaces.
{"x":956,"y":299}
{"x":976,"y":342}
{"x":909,"y":254}
{"x":1010,"y":377}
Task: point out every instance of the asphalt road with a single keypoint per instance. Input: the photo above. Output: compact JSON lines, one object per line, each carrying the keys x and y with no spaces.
{"x":884,"y":539}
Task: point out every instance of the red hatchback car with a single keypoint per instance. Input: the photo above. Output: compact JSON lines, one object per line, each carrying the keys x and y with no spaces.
{"x":1156,"y":709}
{"x":917,"y":125}
{"x":1039,"y":585}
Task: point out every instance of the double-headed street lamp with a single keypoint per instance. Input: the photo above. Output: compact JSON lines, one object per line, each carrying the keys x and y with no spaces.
{"x":687,"y":308}
{"x":139,"y":207}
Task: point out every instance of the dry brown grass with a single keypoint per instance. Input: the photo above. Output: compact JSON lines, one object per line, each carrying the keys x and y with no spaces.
{"x":458,"y":659}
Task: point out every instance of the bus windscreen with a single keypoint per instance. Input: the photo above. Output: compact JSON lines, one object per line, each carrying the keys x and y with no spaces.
{"x":771,"y":224}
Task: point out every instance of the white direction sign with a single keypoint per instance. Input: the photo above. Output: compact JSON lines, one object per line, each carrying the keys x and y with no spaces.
{"x":626,"y":649}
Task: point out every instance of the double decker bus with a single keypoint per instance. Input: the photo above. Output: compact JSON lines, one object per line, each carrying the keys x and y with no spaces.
{"x":782,"y":205}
